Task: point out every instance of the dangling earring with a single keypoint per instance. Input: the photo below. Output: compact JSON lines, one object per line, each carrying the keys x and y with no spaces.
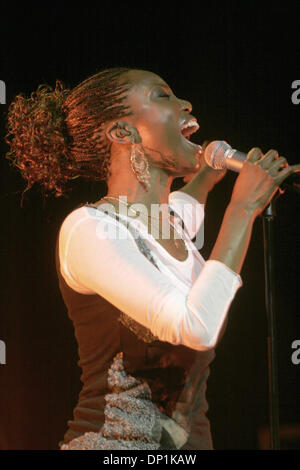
{"x":139,"y":164}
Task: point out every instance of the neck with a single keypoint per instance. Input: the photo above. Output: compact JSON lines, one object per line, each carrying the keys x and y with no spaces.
{"x":135,"y":192}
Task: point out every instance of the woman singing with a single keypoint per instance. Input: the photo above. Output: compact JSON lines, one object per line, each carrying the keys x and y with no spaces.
{"x":147,"y":309}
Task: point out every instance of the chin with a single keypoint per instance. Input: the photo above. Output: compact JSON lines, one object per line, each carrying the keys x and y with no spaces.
{"x":186,"y":168}
{"x":191,"y":157}
{"x":183,"y":158}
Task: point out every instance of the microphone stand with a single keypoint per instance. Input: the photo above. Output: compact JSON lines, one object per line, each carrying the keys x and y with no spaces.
{"x":218,"y":152}
{"x":268,"y":217}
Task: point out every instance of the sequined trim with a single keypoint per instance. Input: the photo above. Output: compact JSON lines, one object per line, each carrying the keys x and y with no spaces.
{"x":132,"y":421}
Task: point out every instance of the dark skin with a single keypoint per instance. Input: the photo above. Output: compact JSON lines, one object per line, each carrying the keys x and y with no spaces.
{"x":156,"y":122}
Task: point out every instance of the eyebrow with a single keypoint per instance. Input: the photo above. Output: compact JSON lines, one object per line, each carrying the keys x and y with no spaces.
{"x":163,"y":85}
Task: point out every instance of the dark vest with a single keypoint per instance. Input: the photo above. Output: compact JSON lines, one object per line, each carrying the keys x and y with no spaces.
{"x":176,"y":375}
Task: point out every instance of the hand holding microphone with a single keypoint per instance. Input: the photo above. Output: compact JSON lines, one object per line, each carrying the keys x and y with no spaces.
{"x":260,"y":175}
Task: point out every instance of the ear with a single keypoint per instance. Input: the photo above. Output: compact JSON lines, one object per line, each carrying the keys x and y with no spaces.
{"x":121,"y":132}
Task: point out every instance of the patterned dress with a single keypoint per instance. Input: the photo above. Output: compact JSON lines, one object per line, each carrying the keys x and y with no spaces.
{"x":138,"y":392}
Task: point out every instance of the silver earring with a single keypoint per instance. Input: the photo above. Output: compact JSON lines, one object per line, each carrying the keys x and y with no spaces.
{"x":139,"y":164}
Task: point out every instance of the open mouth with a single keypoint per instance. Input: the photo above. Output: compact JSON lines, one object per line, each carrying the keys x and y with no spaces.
{"x":189,"y":128}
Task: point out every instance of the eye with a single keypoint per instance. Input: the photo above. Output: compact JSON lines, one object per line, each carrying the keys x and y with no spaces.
{"x":164,"y":95}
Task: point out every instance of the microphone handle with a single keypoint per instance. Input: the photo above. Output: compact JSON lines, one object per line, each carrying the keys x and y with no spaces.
{"x":234,"y":159}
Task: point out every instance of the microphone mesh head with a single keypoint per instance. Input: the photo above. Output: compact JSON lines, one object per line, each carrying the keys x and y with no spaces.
{"x":214,"y":154}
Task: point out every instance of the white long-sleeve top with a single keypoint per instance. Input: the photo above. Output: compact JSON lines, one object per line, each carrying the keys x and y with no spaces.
{"x":184,"y":302}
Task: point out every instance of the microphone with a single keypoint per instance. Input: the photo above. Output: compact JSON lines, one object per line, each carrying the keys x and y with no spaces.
{"x":219,"y":155}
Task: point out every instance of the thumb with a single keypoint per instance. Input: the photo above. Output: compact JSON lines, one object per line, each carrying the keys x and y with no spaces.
{"x":295,"y":168}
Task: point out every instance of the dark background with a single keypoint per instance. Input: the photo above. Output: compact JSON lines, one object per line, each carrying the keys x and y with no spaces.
{"x":236,"y":65}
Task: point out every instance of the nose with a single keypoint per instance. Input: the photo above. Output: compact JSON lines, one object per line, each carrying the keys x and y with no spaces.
{"x":186,"y":106}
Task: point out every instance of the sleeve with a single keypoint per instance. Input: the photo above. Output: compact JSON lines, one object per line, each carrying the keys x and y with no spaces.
{"x":190,"y":211}
{"x":101,"y":255}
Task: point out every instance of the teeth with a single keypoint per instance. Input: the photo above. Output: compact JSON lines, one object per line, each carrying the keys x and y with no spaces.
{"x":190,"y":124}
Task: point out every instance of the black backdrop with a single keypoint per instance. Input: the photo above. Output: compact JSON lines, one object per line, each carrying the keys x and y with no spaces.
{"x":236,"y":66}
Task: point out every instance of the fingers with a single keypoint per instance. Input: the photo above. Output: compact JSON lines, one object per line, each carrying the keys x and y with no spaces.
{"x":282,"y":175}
{"x":296,"y":168}
{"x":270,"y":161}
{"x":276,"y":165}
{"x":267,"y":160}
{"x":264,"y":161}
{"x":254,"y":155}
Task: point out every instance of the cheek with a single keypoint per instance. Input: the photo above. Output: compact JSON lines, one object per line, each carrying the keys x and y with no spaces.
{"x":168,"y":120}
{"x":162,"y":129}
{"x":158,"y":126}
{"x":160,"y":118}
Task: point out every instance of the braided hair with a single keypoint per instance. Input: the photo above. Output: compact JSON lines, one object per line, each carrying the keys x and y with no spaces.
{"x":56,"y":135}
